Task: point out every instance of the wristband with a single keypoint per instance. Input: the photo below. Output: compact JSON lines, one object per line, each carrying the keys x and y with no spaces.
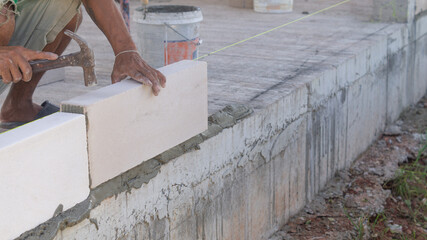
{"x":127,"y":51}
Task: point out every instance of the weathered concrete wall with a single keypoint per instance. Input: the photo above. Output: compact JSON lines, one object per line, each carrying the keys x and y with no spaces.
{"x":420,"y":6}
{"x":406,"y":71}
{"x":250,"y":172}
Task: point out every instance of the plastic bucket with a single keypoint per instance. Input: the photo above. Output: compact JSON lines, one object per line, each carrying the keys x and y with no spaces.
{"x":168,"y":33}
{"x":273,"y":6}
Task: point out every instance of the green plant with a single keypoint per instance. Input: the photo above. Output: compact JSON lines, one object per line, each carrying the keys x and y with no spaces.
{"x":411,"y":185}
{"x":412,"y":236}
{"x":359,"y":226}
{"x":375,"y":220}
{"x":374,"y":223}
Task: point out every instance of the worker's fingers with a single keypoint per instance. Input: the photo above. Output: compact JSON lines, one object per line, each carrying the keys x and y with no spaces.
{"x":5,"y":74}
{"x":30,"y":55}
{"x":151,"y":74}
{"x":140,"y":78}
{"x":156,"y":87}
{"x":14,"y":70}
{"x":153,"y":82}
{"x":161,"y":78}
{"x":147,"y":73}
{"x":134,"y":66}
{"x":24,"y":66}
{"x":43,"y":55}
{"x":153,"y":79}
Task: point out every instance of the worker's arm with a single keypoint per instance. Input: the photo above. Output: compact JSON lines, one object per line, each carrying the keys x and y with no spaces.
{"x":127,"y":63}
{"x":14,"y":65}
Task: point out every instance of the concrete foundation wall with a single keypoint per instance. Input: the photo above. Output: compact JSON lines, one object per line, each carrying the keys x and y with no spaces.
{"x":249,"y":176}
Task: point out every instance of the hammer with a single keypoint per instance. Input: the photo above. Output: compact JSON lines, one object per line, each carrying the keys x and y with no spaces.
{"x":85,"y":59}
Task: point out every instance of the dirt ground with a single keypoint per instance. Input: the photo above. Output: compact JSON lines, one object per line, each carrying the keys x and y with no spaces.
{"x":382,"y":196}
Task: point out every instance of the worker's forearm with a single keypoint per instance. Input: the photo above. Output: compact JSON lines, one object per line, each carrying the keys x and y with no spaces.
{"x":108,"y":18}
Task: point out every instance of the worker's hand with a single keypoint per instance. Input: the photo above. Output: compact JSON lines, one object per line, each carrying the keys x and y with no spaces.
{"x":14,"y":65}
{"x":131,"y":64}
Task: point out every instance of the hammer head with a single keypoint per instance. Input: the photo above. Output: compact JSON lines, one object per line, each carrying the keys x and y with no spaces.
{"x":85,"y":58}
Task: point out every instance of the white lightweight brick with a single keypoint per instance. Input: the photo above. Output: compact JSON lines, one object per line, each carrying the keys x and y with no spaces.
{"x":127,"y":124}
{"x":43,"y":164}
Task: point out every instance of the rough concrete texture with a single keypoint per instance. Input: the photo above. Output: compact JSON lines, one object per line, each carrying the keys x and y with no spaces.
{"x":249,"y":176}
{"x":421,"y":6}
{"x":401,"y":11}
{"x":405,"y":67}
{"x":395,"y":11}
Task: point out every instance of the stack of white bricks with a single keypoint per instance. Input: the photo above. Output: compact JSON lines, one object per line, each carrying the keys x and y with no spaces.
{"x":57,"y":159}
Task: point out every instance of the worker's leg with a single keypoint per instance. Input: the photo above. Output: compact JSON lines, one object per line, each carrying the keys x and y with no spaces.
{"x":18,"y":105}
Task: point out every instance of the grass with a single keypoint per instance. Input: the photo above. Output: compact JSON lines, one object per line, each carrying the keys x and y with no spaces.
{"x":411,"y":185}
{"x":410,"y":188}
{"x":377,"y":219}
{"x":358,"y":225}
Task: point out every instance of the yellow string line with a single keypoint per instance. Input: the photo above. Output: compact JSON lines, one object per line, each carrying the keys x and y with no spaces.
{"x":273,"y":29}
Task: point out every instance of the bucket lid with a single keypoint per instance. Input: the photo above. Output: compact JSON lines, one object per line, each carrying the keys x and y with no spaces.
{"x":170,"y":14}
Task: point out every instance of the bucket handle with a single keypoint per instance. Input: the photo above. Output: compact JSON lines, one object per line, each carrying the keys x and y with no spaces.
{"x":186,"y":38}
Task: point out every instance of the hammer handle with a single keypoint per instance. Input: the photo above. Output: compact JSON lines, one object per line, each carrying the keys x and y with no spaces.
{"x":44,"y":65}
